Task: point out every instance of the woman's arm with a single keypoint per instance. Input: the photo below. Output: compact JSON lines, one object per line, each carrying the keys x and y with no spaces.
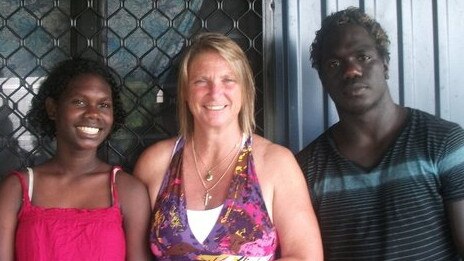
{"x":10,"y":203}
{"x":135,"y":207}
{"x":152,"y":165}
{"x":456,"y":220}
{"x":292,"y":211}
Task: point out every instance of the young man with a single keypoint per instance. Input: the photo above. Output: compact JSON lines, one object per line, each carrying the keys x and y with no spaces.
{"x":387,"y":181}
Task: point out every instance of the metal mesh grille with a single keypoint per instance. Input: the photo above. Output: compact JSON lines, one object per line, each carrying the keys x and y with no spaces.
{"x":140,"y":39}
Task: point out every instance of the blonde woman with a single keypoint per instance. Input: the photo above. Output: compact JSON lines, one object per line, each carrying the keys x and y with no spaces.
{"x":219,"y":191}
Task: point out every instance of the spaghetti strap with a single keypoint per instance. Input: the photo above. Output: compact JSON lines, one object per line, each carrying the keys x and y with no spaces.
{"x":26,"y":199}
{"x":178,"y":145}
{"x":30,"y":172}
{"x":114,"y":189}
{"x":73,"y":232}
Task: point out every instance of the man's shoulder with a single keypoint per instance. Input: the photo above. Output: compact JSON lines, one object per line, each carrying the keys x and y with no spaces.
{"x":424,"y":122}
{"x":430,"y":119}
{"x":317,"y":146}
{"x":427,"y":132}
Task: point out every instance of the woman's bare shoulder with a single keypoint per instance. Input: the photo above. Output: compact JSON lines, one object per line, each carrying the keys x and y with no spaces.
{"x":11,"y":181}
{"x":154,"y":159}
{"x":272,"y":160}
{"x":11,"y":193}
{"x":161,"y":146}
{"x":270,"y":150}
{"x":161,"y":151}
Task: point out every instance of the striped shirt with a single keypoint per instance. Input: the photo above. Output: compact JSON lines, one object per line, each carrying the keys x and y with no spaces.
{"x":394,"y":211}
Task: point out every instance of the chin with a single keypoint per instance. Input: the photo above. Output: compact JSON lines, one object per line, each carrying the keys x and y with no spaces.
{"x":357,"y":109}
{"x":91,"y":144}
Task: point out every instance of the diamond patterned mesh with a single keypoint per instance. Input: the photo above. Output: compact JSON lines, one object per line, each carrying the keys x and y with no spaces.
{"x":140,"y":39}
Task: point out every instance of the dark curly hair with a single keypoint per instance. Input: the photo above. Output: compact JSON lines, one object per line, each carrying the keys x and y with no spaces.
{"x":57,"y":81}
{"x":351,"y":15}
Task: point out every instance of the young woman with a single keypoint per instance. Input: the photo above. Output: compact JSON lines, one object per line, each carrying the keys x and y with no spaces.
{"x":74,"y":206}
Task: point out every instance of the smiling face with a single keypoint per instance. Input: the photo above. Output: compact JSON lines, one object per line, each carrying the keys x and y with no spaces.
{"x":83,"y":114}
{"x":214,"y":95}
{"x":352,"y":70}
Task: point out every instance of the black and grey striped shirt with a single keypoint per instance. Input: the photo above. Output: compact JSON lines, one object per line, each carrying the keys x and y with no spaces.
{"x":394,"y":211}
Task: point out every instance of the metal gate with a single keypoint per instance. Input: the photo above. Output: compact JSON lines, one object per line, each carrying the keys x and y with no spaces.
{"x":140,"y":39}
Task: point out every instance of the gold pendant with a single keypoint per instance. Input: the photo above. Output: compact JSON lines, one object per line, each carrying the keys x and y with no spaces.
{"x":209,"y":176}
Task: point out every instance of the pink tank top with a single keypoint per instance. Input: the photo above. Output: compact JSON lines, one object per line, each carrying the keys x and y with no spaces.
{"x":45,"y":234}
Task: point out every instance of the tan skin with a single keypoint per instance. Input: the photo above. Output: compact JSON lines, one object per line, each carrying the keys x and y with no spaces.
{"x":354,"y":74}
{"x":215,"y":100}
{"x":75,"y":173}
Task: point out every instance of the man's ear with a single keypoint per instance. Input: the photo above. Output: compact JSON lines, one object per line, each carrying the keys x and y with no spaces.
{"x":386,"y":70}
{"x":50,"y":106}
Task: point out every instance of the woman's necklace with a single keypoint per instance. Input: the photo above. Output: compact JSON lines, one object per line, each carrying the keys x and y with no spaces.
{"x":209,"y":171}
{"x":207,"y":197}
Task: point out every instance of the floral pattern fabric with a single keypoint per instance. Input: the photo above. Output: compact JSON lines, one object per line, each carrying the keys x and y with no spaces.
{"x":243,"y":231}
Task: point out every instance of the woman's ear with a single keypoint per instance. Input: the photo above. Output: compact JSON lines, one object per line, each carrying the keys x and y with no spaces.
{"x":50,"y":106}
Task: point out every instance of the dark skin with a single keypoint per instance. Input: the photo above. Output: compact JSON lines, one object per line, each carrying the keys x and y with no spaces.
{"x":355,"y":76}
{"x":83,"y":117}
{"x":77,"y":107}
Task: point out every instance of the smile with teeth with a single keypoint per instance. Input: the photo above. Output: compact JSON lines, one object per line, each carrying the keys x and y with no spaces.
{"x":89,"y":130}
{"x":215,"y":107}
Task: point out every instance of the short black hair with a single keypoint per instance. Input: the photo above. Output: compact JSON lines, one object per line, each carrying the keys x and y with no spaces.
{"x":57,"y":81}
{"x":351,"y":15}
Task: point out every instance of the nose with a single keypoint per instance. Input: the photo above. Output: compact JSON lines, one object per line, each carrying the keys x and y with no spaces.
{"x":352,"y":70}
{"x":92,"y":112}
{"x":215,"y":87}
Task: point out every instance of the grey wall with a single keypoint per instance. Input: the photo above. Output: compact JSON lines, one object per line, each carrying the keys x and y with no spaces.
{"x":427,"y":38}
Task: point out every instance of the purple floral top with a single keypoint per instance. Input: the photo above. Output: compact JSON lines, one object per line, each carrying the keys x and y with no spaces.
{"x":243,"y":231}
